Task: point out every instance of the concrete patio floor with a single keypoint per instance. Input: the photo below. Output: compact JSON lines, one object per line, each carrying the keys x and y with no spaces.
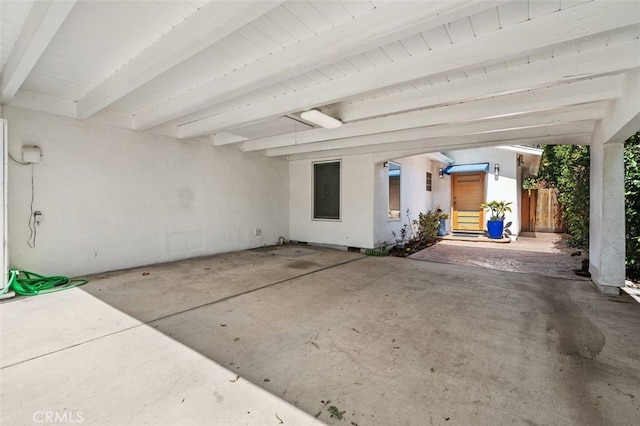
{"x":388,"y":341}
{"x":545,"y":254}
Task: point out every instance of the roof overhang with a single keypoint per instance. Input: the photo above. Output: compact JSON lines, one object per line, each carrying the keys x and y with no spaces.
{"x":467,"y":168}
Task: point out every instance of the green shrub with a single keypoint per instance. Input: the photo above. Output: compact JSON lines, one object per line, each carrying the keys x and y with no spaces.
{"x":632,"y":205}
{"x":566,"y":167}
{"x":573,"y":184}
{"x":427,"y":226}
{"x":417,"y":234}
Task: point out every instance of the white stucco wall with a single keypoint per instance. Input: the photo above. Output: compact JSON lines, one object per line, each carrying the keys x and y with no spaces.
{"x":414,"y":195}
{"x":355,"y":227}
{"x":506,"y":187}
{"x":441,"y":190}
{"x":113,"y":198}
{"x":364,"y":201}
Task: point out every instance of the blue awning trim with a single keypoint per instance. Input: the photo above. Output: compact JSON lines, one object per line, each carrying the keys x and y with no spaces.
{"x":467,"y":168}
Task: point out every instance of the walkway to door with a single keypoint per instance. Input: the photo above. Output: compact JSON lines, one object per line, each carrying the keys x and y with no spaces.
{"x":546,"y":254}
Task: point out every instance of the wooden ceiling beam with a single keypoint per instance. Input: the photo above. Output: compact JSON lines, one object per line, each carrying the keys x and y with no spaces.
{"x":43,"y":22}
{"x":203,"y":28}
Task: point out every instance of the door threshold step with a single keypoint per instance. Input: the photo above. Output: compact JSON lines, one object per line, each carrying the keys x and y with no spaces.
{"x":474,"y":238}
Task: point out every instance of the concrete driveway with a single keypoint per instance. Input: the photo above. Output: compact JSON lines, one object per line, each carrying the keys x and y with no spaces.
{"x":264,"y":336}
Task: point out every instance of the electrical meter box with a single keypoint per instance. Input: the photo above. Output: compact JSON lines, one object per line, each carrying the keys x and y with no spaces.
{"x":31,"y":154}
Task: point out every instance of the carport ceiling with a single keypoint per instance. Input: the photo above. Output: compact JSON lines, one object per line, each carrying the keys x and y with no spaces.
{"x":403,"y":76}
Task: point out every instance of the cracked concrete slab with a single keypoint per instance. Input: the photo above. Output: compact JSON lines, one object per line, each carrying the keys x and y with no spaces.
{"x":386,"y":340}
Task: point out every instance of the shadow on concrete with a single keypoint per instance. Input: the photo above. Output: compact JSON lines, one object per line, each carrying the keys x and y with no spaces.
{"x":386,"y":340}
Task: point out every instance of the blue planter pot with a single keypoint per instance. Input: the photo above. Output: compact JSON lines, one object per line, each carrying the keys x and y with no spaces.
{"x":442,"y":231}
{"x":495,"y":229}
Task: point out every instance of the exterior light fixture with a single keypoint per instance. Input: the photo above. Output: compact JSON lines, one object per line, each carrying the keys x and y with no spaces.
{"x":496,"y":171}
{"x":440,"y":172}
{"x":323,"y":120}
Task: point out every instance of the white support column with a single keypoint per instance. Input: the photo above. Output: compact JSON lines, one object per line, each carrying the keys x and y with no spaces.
{"x":606,"y":218}
{"x":606,"y":222}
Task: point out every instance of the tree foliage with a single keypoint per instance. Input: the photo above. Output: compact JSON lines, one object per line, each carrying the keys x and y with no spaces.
{"x":574,"y":193}
{"x":632,"y":205}
{"x":566,"y":167}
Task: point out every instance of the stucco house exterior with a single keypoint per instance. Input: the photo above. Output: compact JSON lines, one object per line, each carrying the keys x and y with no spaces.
{"x":485,"y":174}
{"x":375,"y":196}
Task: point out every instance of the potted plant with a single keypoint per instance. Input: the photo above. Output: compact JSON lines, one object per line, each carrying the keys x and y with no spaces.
{"x":495,"y":223}
{"x":442,"y":217}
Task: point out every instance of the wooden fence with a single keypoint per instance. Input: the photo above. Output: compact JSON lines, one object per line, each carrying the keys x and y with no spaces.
{"x":541,"y":211}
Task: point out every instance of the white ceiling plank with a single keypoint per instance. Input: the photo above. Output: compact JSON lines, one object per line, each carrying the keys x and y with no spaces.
{"x":361,"y":62}
{"x":558,"y":116}
{"x":246,"y":46}
{"x":437,"y":38}
{"x":345,"y":67}
{"x":357,"y":7}
{"x":330,"y":71}
{"x":395,"y":51}
{"x":270,"y":29}
{"x":538,"y":8}
{"x":616,"y":58}
{"x":377,"y":57}
{"x":460,"y":30}
{"x":486,"y":21}
{"x":333,"y":11}
{"x":44,"y":103}
{"x":358,"y":35}
{"x":519,"y":103}
{"x":535,"y":35}
{"x":565,"y":4}
{"x":308,"y":15}
{"x":415,"y":44}
{"x":595,"y":42}
{"x":42,"y":24}
{"x":513,"y":12}
{"x":289,"y":23}
{"x":203,"y":28}
{"x":13,"y":15}
{"x":317,"y":76}
{"x":255,"y":36}
{"x":404,"y":149}
{"x":630,"y":34}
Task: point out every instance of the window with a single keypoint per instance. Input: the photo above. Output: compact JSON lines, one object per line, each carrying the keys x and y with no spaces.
{"x":394,"y":191}
{"x":428,"y":181}
{"x":326,"y":190}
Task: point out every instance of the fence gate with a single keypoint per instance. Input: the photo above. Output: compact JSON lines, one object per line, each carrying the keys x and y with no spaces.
{"x":541,"y":211}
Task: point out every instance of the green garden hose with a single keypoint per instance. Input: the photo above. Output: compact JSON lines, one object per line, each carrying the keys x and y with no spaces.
{"x":28,"y":283}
